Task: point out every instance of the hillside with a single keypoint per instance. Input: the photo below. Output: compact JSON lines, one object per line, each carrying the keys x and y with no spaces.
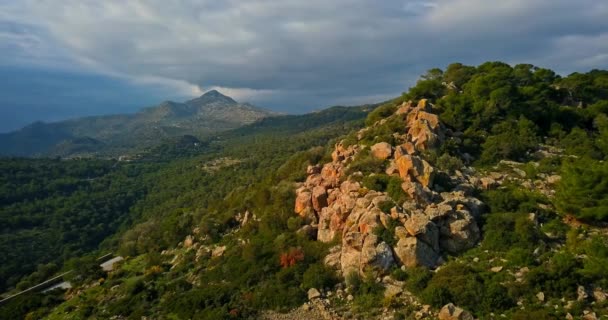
{"x":481,"y":192}
{"x":116,"y":134}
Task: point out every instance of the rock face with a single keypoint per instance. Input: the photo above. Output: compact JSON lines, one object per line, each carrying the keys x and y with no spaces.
{"x":426,"y":226}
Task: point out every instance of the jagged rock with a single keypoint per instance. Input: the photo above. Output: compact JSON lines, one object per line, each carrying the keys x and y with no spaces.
{"x":392,"y":169}
{"x":350,"y":186}
{"x":218,"y":251}
{"x":313,"y":169}
{"x":412,"y":252}
{"x":352,"y":243}
{"x":457,"y":199}
{"x":540,"y":296}
{"x":303,"y":201}
{"x":392,"y":287}
{"x":384,"y":257}
{"x":435,"y":211}
{"x":331,"y":174}
{"x":459,"y":231}
{"x":405,"y":108}
{"x":382,"y":150}
{"x":419,"y":225}
{"x":452,"y":312}
{"x":319,"y":198}
{"x":416,"y":192}
{"x":332,"y":259}
{"x":313,"y":294}
{"x":413,"y":168}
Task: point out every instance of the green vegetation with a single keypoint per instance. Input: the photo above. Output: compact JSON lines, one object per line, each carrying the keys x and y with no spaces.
{"x":52,"y":211}
{"x":583,"y":190}
{"x":143,"y":207}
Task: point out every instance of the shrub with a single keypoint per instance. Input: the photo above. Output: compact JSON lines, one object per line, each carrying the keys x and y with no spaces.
{"x":318,"y":275}
{"x":418,"y":279}
{"x":583,"y":190}
{"x":448,"y":163}
{"x":510,"y":140}
{"x":380,"y":112}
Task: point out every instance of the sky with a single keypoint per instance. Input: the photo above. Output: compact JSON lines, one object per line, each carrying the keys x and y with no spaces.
{"x":68,"y":58}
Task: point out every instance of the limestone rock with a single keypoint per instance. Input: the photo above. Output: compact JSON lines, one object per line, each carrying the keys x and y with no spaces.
{"x":313,"y":294}
{"x":382,"y":150}
{"x":412,"y":252}
{"x":459,"y":231}
{"x":413,"y":168}
{"x":332,"y":259}
{"x":452,"y":312}
{"x":303,"y":201}
{"x":218,"y":251}
{"x":319,"y":198}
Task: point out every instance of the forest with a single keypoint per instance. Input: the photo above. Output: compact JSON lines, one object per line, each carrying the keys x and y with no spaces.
{"x":54,"y":212}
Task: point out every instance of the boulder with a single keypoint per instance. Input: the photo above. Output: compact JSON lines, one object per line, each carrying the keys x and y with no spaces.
{"x":452,"y":312}
{"x":383,"y":258}
{"x":413,"y":168}
{"x":332,"y":259}
{"x":303,"y":201}
{"x":352,"y":243}
{"x":382,"y":150}
{"x":313,"y":294}
{"x":405,"y":108}
{"x":313,"y":169}
{"x":319,"y":198}
{"x":392,"y":169}
{"x":437,"y":211}
{"x":218,"y":251}
{"x":412,"y":252}
{"x":419,"y":225}
{"x":458,"y":232}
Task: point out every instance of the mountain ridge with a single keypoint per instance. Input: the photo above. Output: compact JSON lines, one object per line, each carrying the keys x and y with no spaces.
{"x":209,"y":113}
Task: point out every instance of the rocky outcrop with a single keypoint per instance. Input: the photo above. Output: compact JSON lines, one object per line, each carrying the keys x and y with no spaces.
{"x":429,"y":224}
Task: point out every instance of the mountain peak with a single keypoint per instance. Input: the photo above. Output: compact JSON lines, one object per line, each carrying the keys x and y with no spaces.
{"x":211,"y":96}
{"x":214,"y":94}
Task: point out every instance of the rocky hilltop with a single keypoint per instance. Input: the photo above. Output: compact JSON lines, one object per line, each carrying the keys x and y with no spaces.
{"x":431,"y":222}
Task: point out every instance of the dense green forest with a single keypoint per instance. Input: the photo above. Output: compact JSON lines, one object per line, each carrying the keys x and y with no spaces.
{"x":142,"y":208}
{"x":61,"y":209}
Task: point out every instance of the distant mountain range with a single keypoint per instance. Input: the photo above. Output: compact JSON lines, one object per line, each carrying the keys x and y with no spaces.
{"x":115,"y":134}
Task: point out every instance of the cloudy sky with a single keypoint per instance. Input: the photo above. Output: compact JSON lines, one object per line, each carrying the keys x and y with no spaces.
{"x":67,"y":58}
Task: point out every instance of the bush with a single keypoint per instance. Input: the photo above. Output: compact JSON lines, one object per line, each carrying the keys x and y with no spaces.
{"x":418,"y":279}
{"x":380,"y":113}
{"x":583,"y":190}
{"x":504,"y":231}
{"x":318,"y":275}
{"x":366,"y":163}
{"x":448,"y":163}
{"x":510,"y":140}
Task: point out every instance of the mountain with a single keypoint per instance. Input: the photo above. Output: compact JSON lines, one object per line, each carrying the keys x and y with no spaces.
{"x":115,"y":134}
{"x":480,"y":193}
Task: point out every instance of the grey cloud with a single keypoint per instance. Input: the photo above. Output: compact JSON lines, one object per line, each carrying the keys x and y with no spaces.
{"x":309,"y":53}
